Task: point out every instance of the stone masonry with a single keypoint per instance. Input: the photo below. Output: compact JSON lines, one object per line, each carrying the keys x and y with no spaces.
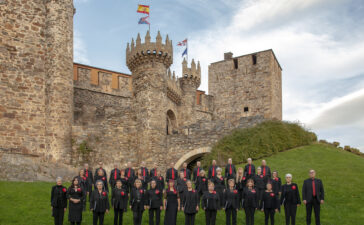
{"x":56,"y":114}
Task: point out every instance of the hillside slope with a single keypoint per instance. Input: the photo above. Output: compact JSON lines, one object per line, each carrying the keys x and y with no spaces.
{"x":342,"y":174}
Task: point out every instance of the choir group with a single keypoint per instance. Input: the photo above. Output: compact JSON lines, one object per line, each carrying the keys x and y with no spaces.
{"x":249,"y":188}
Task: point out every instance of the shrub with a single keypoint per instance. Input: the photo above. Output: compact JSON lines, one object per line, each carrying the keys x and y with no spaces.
{"x":262,"y":140}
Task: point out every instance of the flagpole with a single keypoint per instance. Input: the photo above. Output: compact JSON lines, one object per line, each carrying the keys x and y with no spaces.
{"x":187,"y":49}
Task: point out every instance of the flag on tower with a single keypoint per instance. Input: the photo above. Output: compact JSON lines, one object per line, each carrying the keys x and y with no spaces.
{"x":143,"y":9}
{"x":185,"y":52}
{"x":144,"y":20}
{"x":182,"y":43}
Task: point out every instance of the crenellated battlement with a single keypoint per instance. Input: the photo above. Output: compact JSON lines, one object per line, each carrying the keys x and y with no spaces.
{"x":191,"y":75}
{"x":174,"y":91}
{"x":139,"y":53}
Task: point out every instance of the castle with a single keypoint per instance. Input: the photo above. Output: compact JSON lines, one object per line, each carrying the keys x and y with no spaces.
{"x":56,"y":112}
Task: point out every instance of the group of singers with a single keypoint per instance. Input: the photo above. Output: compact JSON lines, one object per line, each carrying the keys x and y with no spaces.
{"x":249,"y":188}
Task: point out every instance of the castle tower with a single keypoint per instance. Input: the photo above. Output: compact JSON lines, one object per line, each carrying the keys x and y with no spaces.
{"x":189,"y":82}
{"x":36,"y":77}
{"x":149,"y":63}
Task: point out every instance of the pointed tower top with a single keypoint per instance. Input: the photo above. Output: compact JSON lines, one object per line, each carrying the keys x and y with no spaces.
{"x":138,"y":40}
{"x":147,"y":37}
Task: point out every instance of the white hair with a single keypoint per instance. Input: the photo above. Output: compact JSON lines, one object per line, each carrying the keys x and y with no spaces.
{"x":288,"y":175}
{"x":218,"y":169}
{"x":58,"y":178}
{"x":259,"y":168}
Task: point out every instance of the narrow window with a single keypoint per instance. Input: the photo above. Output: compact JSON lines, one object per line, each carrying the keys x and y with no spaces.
{"x":254,"y":57}
{"x":246,"y":109}
{"x":235,"y":63}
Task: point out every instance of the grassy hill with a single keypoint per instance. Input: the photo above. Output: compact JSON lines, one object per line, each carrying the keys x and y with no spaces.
{"x":342,"y":174}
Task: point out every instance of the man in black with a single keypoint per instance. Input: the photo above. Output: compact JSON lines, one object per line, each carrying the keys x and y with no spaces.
{"x":130,"y":174}
{"x":153,"y":172}
{"x":145,"y":172}
{"x":89,"y":178}
{"x":171,"y":173}
{"x":313,"y":195}
{"x":249,"y":169}
{"x":186,"y":171}
{"x":114,"y":176}
{"x":212,"y":170}
{"x":230,"y":171}
{"x":100,"y":168}
{"x":196,"y":171}
{"x":265,"y":169}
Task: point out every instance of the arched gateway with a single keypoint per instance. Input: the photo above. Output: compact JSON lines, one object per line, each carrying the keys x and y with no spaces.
{"x":191,"y":155}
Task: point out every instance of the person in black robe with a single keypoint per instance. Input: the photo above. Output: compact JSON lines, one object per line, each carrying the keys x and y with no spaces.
{"x":265,"y":169}
{"x":210,"y":203}
{"x":144,"y":172}
{"x":100,"y":176}
{"x":130,"y":174}
{"x":313,"y":196}
{"x":114,"y":176}
{"x":290,"y":198}
{"x":230,"y":171}
{"x":139,"y":175}
{"x":159,"y":180}
{"x":171,"y":204}
{"x":100,"y":168}
{"x":231,"y":204}
{"x":276,"y":183}
{"x":181,"y":184}
{"x":212,"y":170}
{"x":171,"y":173}
{"x":250,"y":202}
{"x":89,"y":178}
{"x":124,"y":180}
{"x":138,"y":201}
{"x":196,"y":172}
{"x":260,"y":183}
{"x":58,"y":201}
{"x":75,"y":195}
{"x":269,"y":204}
{"x":153,"y":172}
{"x":155,"y":203}
{"x":202,"y":183}
{"x":190,"y":204}
{"x":249,"y":169}
{"x":220,"y":187}
{"x":119,"y":201}
{"x":99,"y":203}
{"x":186,"y":171}
{"x":240,"y":182}
{"x":84,"y":186}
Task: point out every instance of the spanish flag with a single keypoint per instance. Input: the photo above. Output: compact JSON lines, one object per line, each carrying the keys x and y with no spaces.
{"x":143,"y":9}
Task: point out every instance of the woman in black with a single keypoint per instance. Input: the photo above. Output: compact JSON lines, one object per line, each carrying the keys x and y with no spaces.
{"x":138,"y":201}
{"x":155,"y":203}
{"x":220,"y":187}
{"x":119,"y":201}
{"x":124,"y":180}
{"x":290,"y":198}
{"x":276,"y":183}
{"x":269,"y":204}
{"x":160,"y":181}
{"x":250,"y":201}
{"x":58,"y":201}
{"x":202,"y":183}
{"x":240,"y":181}
{"x":260,"y":182}
{"x":101,"y":177}
{"x":210,"y":203}
{"x":76,"y":195}
{"x":84,"y":186}
{"x":171,"y":204}
{"x":231,"y":204}
{"x":143,"y":180}
{"x":190,"y":204}
{"x":99,"y":203}
{"x":181,"y":184}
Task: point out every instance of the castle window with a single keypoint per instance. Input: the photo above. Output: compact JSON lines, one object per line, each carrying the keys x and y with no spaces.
{"x":235,"y":63}
{"x":246,"y":109}
{"x":254,"y":58}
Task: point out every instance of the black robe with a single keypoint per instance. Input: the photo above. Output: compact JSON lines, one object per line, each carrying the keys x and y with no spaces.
{"x":119,"y":199}
{"x":229,"y":175}
{"x":104,"y":181}
{"x":196,"y":173}
{"x":246,"y":171}
{"x":169,"y":174}
{"x":190,"y":201}
{"x":154,"y":198}
{"x":145,"y":173}
{"x":210,"y":201}
{"x":276,"y":185}
{"x":201,"y":185}
{"x":231,"y":198}
{"x":270,"y":200}
{"x":290,"y":194}
{"x":220,"y":188}
{"x":160,"y":183}
{"x":99,"y":202}
{"x":75,"y":209}
{"x":170,"y":216}
{"x":250,"y":198}
{"x":114,"y":176}
{"x":267,"y":171}
{"x":89,"y":179}
{"x":212,"y":172}
{"x":59,"y":196}
{"x":105,"y":174}
{"x":138,"y":199}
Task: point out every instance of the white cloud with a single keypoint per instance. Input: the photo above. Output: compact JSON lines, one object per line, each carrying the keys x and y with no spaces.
{"x":79,"y":49}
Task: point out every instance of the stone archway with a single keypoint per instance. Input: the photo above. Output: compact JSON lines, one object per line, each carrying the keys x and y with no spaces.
{"x":191,"y":155}
{"x":171,"y":126}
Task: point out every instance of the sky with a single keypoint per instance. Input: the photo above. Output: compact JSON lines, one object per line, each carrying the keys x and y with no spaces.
{"x":319,"y":44}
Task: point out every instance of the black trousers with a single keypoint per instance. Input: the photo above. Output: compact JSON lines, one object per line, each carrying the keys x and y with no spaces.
{"x":249,"y":215}
{"x":190,"y":219}
{"x":118,"y":216}
{"x":316,"y":207}
{"x":98,"y":216}
{"x":157,"y":213}
{"x":210,"y":217}
{"x":269,"y":213}
{"x":58,"y":214}
{"x":230,"y":216}
{"x":75,"y":223}
{"x":137,"y":217}
{"x":290,"y":212}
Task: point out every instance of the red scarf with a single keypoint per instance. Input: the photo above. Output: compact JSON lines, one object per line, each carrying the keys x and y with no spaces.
{"x":129,"y":172}
{"x":172,"y":174}
{"x":231,"y":171}
{"x":250,"y":169}
{"x":313,"y":188}
{"x":213,"y":171}
{"x":114,"y":174}
{"x":198,"y":171}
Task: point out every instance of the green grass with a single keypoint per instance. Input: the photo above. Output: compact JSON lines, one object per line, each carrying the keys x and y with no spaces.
{"x":342,"y":173}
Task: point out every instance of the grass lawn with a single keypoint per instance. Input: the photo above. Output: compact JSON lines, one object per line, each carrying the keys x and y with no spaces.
{"x":342,"y":174}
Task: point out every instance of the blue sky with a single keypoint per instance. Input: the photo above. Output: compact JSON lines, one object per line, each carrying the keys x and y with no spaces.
{"x":319,"y":43}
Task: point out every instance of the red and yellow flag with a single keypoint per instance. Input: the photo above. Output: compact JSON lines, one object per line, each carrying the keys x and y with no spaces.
{"x":143,"y":9}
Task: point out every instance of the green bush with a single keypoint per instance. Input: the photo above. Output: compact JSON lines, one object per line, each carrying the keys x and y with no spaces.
{"x":262,"y":140}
